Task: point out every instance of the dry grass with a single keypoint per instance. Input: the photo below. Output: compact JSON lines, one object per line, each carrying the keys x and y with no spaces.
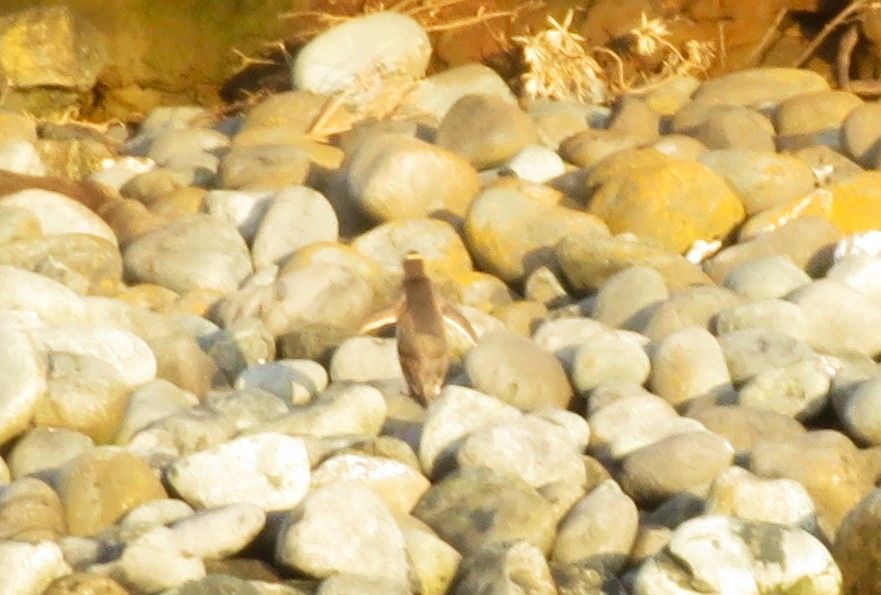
{"x":561,"y":65}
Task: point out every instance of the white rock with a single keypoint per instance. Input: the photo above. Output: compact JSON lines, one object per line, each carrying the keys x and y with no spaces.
{"x":433,"y":560}
{"x":563,"y":336}
{"x":268,"y":470}
{"x":536,"y":163}
{"x":35,"y":299}
{"x":242,"y":208}
{"x":21,"y":157}
{"x":457,"y":412}
{"x":737,"y":492}
{"x":24,"y":380}
{"x":385,"y":42}
{"x":151,"y":402}
{"x":399,"y":485}
{"x":129,"y":355}
{"x":296,"y":381}
{"x":29,"y":567}
{"x":154,"y":561}
{"x":436,"y":94}
{"x":295,"y":218}
{"x":531,"y":448}
{"x":219,"y":533}
{"x":628,"y":416}
{"x":343,"y":527}
{"x":342,"y":409}
{"x":365,"y":359}
{"x":155,"y":513}
{"x":59,"y":214}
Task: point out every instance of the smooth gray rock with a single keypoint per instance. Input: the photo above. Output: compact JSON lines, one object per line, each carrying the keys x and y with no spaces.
{"x":218,"y":533}
{"x":630,"y":416}
{"x":627,"y":298}
{"x":517,"y":371}
{"x":22,"y":368}
{"x":295,"y":218}
{"x":437,"y":93}
{"x":774,"y":315}
{"x":263,"y":167}
{"x":196,"y":252}
{"x":31,"y":567}
{"x":767,"y":277}
{"x":43,"y":449}
{"x":799,"y":389}
{"x":380,"y":42}
{"x":155,"y":561}
{"x":294,"y":381}
{"x":59,"y":214}
{"x":751,"y":351}
{"x":688,"y":364}
{"x":860,"y":411}
{"x":609,"y":357}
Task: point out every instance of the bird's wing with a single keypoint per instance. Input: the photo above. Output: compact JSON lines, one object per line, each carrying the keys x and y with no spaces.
{"x":380,"y":320}
{"x":456,"y":321}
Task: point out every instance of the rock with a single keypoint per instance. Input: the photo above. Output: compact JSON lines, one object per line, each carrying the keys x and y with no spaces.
{"x":517,"y":371}
{"x":680,"y":146}
{"x":515,"y":566}
{"x":154,"y":561}
{"x":194,"y":252}
{"x":675,"y":464}
{"x":859,"y":136}
{"x":432,"y":560}
{"x":384,"y":42}
{"x":838,"y":317}
{"x":512,"y":511}
{"x":855,"y":202}
{"x":393,"y":176}
{"x":354,"y":583}
{"x":860,"y":411}
{"x":761,"y":179}
{"x":859,"y":272}
{"x":161,"y":120}
{"x":342,"y":409}
{"x":628,"y":297}
{"x":542,"y":224}
{"x":243,"y":409}
{"x":760,"y":87}
{"x":855,"y":548}
{"x":85,"y":583}
{"x":83,"y":393}
{"x":245,"y":209}
{"x":534,"y":449}
{"x":599,"y":531}
{"x":535,"y":163}
{"x":588,"y":261}
{"x":151,"y":402}
{"x":485,"y":130}
{"x":168,"y":145}
{"x":437,"y":93}
{"x":746,"y":427}
{"x":773,"y":315}
{"x":31,"y":567}
{"x":102,"y":484}
{"x":366,"y":359}
{"x":695,"y":306}
{"x":454,"y":415}
{"x":17,"y":223}
{"x":663,"y":199}
{"x":23,"y":370}
{"x":398,"y":484}
{"x":17,"y":126}
{"x":343,"y":528}
{"x":292,"y":111}
{"x":826,"y":463}
{"x":720,"y":552}
{"x":804,"y":240}
{"x":220,"y":583}
{"x":30,"y":511}
{"x":688,"y":364}
{"x":128,"y":355}
{"x":46,"y":449}
{"x":21,"y":157}
{"x":295,"y":381}
{"x":738,"y":493}
{"x":218,"y":533}
{"x":629,"y":416}
{"x":558,"y":120}
{"x":799,"y":389}
{"x":587,"y":148}
{"x":609,"y":357}
{"x":156,"y":513}
{"x":71,"y":60}
{"x":267,"y":469}
{"x":60,"y":214}
{"x":809,"y":119}
{"x":294,"y":218}
{"x":263,"y":167}
{"x":188,"y":431}
{"x":725,"y":126}
{"x":441,"y":247}
{"x":751,"y":351}
{"x":632,"y":114}
{"x":768,"y":277}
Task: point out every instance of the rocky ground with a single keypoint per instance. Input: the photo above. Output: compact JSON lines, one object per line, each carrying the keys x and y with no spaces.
{"x":674,"y":391}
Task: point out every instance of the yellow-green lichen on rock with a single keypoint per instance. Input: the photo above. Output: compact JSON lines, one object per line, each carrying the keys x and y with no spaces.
{"x":672,"y":202}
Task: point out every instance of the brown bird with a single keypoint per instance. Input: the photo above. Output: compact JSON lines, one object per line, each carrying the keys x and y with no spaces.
{"x":421,"y":318}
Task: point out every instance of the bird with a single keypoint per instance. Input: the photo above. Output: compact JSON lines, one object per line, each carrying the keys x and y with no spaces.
{"x":421,"y":318}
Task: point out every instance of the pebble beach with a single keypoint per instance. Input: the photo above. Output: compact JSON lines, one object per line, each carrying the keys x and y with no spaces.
{"x":674,"y":389}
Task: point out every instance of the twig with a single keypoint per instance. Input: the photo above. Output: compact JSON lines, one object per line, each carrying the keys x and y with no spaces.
{"x":851,"y":8}
{"x":842,"y":58}
{"x":767,"y":39}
